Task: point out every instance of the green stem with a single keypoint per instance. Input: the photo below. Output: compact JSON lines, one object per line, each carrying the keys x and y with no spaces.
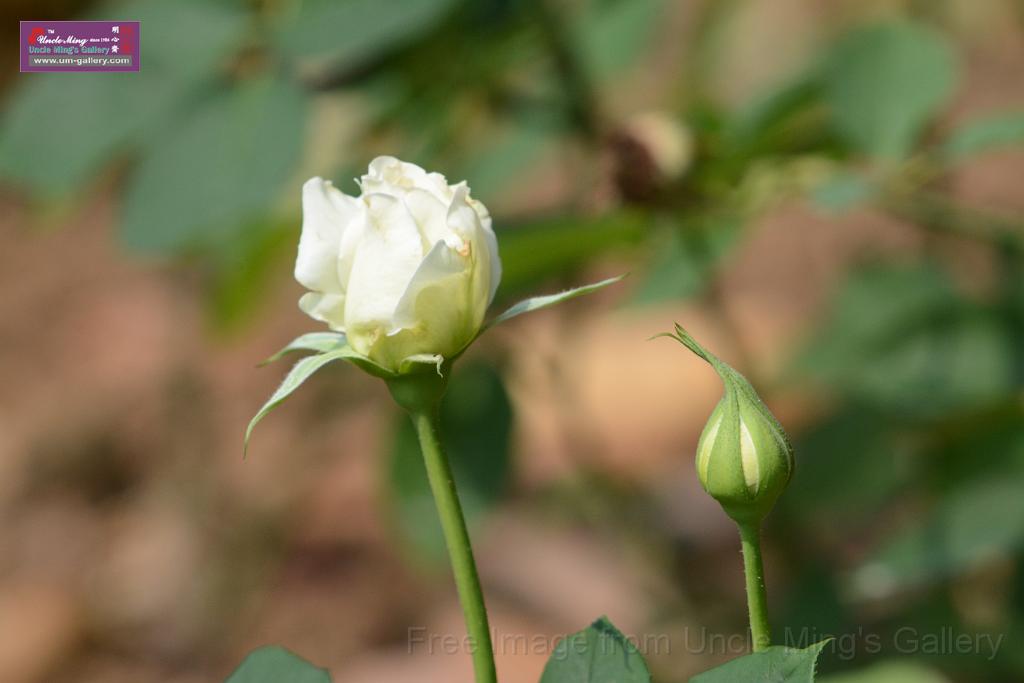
{"x":456,"y":537}
{"x":757,"y":595}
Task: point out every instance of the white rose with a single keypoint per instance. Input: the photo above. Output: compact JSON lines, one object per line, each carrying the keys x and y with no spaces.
{"x":406,"y":269}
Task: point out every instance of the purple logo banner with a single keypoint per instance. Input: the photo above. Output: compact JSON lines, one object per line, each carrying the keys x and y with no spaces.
{"x":79,"y":46}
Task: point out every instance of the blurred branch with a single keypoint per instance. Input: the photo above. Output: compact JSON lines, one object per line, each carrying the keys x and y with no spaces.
{"x":579,"y":91}
{"x":939,"y":213}
{"x":551,"y":247}
{"x":703,"y":45}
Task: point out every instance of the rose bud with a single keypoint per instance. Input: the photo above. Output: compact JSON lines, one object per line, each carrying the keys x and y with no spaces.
{"x":744,"y":459}
{"x":650,"y":151}
{"x":405,"y":270}
{"x":403,"y":275}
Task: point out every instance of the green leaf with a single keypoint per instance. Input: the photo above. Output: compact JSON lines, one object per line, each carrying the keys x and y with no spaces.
{"x":774,"y":665}
{"x":597,"y":654}
{"x":476,"y":425}
{"x":984,"y":134}
{"x":890,"y":672}
{"x":320,"y":342}
{"x":277,"y":665}
{"x":538,"y":302}
{"x":225,"y":165}
{"x":885,"y":82}
{"x":299,"y":373}
{"x":60,"y":130}
{"x":353,"y":32}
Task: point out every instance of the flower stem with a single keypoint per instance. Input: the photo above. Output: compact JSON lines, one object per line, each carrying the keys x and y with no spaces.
{"x":757,"y":596}
{"x":456,"y":537}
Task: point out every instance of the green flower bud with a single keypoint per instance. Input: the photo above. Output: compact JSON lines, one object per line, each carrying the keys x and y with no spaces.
{"x":744,"y":459}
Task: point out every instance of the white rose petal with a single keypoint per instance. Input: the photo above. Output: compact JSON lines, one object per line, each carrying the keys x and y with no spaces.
{"x":325,"y":214}
{"x":384,"y":262}
{"x":328,"y":308}
{"x":441,"y":263}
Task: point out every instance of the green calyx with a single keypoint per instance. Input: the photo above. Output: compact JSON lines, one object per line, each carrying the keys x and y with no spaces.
{"x":419,"y":390}
{"x":418,"y":381}
{"x":744,"y":459}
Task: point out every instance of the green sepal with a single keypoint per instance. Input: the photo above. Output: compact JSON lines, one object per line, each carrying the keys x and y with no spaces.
{"x":307,"y":366}
{"x":539,"y":302}
{"x":420,"y":362}
{"x":320,"y":342}
{"x":732,"y":379}
{"x":773,"y":665}
{"x":418,"y":390}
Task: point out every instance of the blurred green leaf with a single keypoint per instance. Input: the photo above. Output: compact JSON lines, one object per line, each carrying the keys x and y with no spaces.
{"x":60,"y":129}
{"x":850,"y":464}
{"x":976,"y":444}
{"x":766,"y":110}
{"x":984,"y":134}
{"x":613,"y":34}
{"x":224,"y":166}
{"x":504,"y":156}
{"x":685,"y":262}
{"x":277,"y":665}
{"x":844,"y":191}
{"x":214,"y":29}
{"x":890,"y":672}
{"x":555,"y":246}
{"x":241,"y":278}
{"x":598,"y":654}
{"x":349,"y":33}
{"x":978,"y":512}
{"x":975,"y":523}
{"x":901,"y":339}
{"x":885,"y":82}
{"x":785,"y":118}
{"x":679,"y":271}
{"x":813,"y":605}
{"x":476,"y":428}
{"x":774,"y":665}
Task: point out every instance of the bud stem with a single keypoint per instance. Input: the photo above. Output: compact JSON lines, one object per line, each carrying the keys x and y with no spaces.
{"x":456,"y":537}
{"x":757,"y":595}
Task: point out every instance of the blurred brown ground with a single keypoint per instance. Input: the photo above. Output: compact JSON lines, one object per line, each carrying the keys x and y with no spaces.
{"x":137,"y":546}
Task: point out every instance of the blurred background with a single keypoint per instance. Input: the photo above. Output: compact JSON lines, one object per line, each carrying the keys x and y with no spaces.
{"x":827,"y":194}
